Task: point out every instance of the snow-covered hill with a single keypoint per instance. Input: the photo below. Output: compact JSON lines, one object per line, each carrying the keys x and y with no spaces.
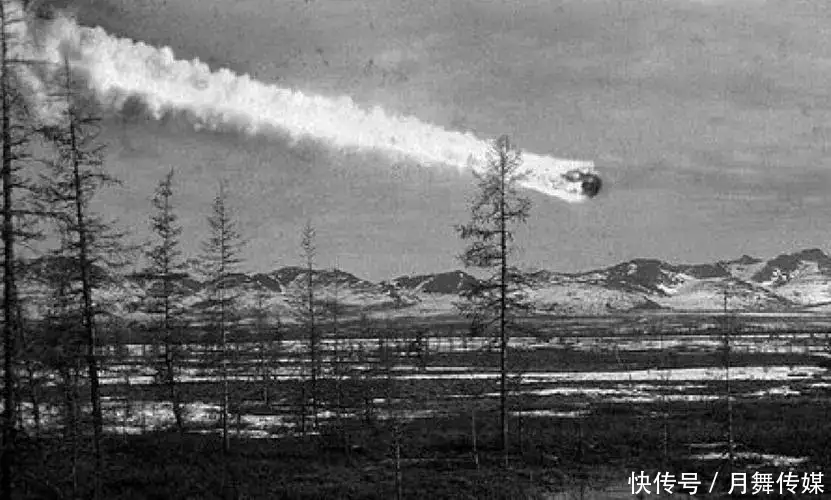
{"x":786,"y":282}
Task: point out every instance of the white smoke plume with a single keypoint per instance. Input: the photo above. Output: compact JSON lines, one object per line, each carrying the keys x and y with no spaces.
{"x":117,"y":69}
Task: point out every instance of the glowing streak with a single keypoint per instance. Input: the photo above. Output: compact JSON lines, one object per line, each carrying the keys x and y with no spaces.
{"x":119,"y":68}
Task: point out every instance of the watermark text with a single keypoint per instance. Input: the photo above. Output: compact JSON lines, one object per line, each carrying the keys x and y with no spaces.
{"x":756,"y":483}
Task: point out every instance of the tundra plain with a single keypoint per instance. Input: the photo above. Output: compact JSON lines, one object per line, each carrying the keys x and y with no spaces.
{"x":591,"y":401}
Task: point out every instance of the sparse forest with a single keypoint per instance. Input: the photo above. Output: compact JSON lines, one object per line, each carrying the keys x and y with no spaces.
{"x":136,"y":371}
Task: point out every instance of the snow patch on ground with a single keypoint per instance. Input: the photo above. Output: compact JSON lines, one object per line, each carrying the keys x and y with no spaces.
{"x":776,"y":391}
{"x":766,"y":373}
{"x":763,"y":458}
{"x":551,"y":413}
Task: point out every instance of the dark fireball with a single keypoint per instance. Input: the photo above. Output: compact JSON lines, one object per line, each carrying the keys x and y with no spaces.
{"x":591,"y":185}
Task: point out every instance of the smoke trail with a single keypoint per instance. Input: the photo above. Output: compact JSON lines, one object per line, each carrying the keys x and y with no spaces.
{"x":118,"y":69}
{"x":21,"y":52}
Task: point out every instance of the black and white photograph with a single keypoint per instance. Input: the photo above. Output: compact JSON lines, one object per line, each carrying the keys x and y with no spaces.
{"x":415,"y":249}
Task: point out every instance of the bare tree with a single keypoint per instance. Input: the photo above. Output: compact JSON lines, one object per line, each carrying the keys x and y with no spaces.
{"x":305,"y":304}
{"x":339,"y":361}
{"x":89,"y":246}
{"x":165,"y":275}
{"x":393,"y":396}
{"x":221,"y":254}
{"x":394,"y":401}
{"x":14,"y":135}
{"x":308,"y":245}
{"x":495,"y":211}
{"x":9,"y":289}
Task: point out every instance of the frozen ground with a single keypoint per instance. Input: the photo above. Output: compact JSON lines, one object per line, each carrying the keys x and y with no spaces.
{"x":553,"y":393}
{"x":753,"y":343}
{"x":638,"y":386}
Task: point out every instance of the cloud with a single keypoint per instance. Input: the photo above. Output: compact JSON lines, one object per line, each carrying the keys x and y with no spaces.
{"x":709,"y":119}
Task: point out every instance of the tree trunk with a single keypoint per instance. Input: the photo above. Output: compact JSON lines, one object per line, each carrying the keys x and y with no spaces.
{"x":475,"y":439}
{"x":172,"y":392}
{"x":727,"y":332}
{"x":9,"y":292}
{"x":74,"y":417}
{"x":226,"y":442}
{"x":169,"y":349}
{"x":86,"y":291}
{"x":313,"y":341}
{"x":503,"y":292}
{"x":399,"y":487}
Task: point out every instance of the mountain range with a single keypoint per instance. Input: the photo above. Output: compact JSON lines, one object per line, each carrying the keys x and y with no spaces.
{"x":799,"y":281}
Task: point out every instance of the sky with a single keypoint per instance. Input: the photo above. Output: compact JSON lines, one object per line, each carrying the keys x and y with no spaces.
{"x":708,"y":121}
